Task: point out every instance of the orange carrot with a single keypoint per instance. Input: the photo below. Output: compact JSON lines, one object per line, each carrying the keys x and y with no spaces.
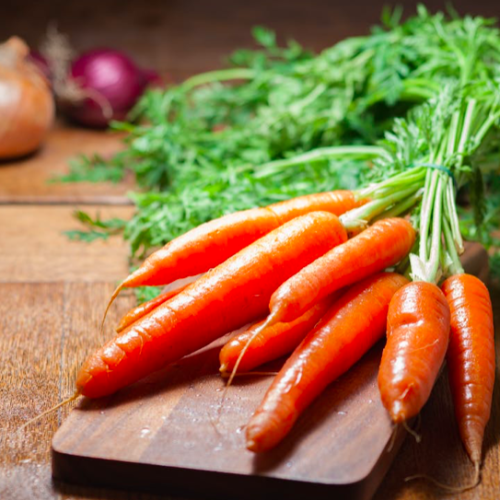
{"x":471,"y":358}
{"x":210,"y":244}
{"x":349,"y":328}
{"x":146,"y":307}
{"x":272,"y":342}
{"x":380,"y":246}
{"x":418,"y":327}
{"x":225,"y":298}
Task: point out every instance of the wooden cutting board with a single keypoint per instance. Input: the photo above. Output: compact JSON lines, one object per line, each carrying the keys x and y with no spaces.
{"x":171,"y":433}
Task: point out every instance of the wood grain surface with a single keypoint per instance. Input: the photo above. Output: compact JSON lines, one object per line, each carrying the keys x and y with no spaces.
{"x":34,"y":248}
{"x":30,"y":179}
{"x":53,"y":293}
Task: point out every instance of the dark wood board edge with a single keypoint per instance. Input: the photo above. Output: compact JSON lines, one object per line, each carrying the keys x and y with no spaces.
{"x":198,"y":483}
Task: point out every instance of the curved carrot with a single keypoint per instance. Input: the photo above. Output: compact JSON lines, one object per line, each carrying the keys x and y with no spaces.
{"x":210,"y":244}
{"x":349,"y":328}
{"x":418,"y":327}
{"x":225,"y":298}
{"x":272,"y":342}
{"x":146,"y":307}
{"x":471,"y":358}
{"x":380,"y":246}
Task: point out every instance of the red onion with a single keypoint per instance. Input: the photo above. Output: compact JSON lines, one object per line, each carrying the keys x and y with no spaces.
{"x":152,"y":78}
{"x":110,"y":85}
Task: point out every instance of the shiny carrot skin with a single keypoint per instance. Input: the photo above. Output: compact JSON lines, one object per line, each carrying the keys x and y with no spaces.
{"x":380,"y":246}
{"x":349,"y":328}
{"x":225,"y":298}
{"x":471,"y":358}
{"x":210,"y":244}
{"x":272,"y":342}
{"x":146,"y":307}
{"x":418,"y":328}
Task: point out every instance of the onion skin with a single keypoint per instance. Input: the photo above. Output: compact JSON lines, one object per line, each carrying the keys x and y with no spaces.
{"x":40,"y":61}
{"x":26,"y":102}
{"x":152,"y":78}
{"x":112,"y":82}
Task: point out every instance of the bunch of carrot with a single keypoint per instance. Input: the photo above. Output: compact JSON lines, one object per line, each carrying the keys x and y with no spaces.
{"x":324,"y":296}
{"x":316,"y":275}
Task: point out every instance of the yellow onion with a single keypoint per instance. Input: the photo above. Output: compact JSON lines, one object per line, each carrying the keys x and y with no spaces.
{"x":26,"y":102}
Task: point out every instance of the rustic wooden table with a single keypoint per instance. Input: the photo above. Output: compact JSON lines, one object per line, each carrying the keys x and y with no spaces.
{"x":53,"y":291}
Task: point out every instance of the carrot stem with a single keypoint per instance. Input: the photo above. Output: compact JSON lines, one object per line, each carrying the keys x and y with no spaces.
{"x":486,"y":127}
{"x":465,"y":136}
{"x":217,"y":76}
{"x":320,"y":154}
{"x":409,"y":177}
{"x":451,"y":212}
{"x":456,"y":265}
{"x":425,"y":217}
{"x":452,"y":139}
{"x":401,"y":207}
{"x":436,"y":230}
{"x":359,"y":217}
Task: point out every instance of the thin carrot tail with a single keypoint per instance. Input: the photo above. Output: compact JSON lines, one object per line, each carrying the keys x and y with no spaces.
{"x":66,"y":401}
{"x":274,"y":317}
{"x":237,"y":364}
{"x":118,"y":289}
{"x":250,"y":374}
{"x":454,"y":489}
{"x":409,"y":430}
{"x":245,"y":348}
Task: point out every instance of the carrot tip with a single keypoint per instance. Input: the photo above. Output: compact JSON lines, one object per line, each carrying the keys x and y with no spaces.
{"x":409,"y":430}
{"x":252,"y":445}
{"x":66,"y":401}
{"x":473,"y":446}
{"x":118,"y":289}
{"x":447,"y":487}
{"x":227,"y":374}
{"x":223,"y":369}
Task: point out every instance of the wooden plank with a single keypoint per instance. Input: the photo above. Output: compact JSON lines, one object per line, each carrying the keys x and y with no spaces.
{"x":33,"y":247}
{"x":27,"y":180}
{"x":29,"y":375}
{"x":46,"y":330}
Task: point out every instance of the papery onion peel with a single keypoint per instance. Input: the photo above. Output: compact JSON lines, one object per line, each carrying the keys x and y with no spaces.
{"x":26,"y":102}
